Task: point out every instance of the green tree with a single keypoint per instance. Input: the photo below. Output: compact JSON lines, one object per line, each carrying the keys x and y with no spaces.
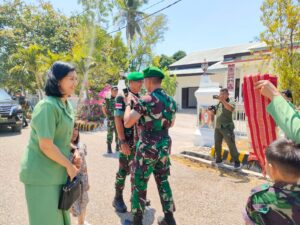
{"x":26,"y":30}
{"x":165,"y":61}
{"x":169,"y":83}
{"x":130,"y":16}
{"x":281,"y":19}
{"x":142,"y":54}
{"x":27,"y":67}
{"x":178,"y":55}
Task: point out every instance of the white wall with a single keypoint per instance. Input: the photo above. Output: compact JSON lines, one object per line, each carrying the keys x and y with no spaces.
{"x":193,"y":81}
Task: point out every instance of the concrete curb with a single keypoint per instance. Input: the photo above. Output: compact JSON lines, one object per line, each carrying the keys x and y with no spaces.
{"x":211,"y":164}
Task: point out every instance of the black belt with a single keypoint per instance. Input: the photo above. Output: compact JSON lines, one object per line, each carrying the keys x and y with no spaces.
{"x":163,"y":133}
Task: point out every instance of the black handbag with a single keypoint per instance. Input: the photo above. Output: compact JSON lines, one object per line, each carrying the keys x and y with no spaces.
{"x":70,"y":192}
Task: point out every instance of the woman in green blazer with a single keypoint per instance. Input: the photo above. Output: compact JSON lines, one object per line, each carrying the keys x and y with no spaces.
{"x":286,"y":116}
{"x":45,"y":164}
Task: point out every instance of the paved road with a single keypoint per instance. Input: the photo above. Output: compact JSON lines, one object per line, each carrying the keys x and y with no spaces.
{"x":203,"y":196}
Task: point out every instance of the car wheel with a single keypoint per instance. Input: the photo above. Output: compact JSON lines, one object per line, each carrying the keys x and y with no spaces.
{"x":17,"y":128}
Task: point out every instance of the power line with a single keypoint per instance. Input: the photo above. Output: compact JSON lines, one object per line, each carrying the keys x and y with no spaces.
{"x":80,"y":13}
{"x":152,"y":14}
{"x":153,"y":5}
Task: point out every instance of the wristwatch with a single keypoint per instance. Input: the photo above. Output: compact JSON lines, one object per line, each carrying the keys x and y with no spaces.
{"x":123,"y":141}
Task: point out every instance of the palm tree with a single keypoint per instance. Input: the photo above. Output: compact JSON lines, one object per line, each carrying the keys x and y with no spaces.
{"x":130,"y":15}
{"x":28,"y":63}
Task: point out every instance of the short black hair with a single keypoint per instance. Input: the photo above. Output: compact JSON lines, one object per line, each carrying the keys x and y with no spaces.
{"x":56,"y":73}
{"x":224,"y":90}
{"x":286,"y":155}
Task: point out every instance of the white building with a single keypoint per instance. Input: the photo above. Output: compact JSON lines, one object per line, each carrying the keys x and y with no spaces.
{"x":227,"y":66}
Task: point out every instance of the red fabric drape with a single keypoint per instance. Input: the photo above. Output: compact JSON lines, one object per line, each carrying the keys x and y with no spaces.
{"x":261,"y":124}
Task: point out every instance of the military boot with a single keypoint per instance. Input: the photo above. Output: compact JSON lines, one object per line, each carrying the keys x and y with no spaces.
{"x":109,"y":151}
{"x":138,"y":219}
{"x":118,"y":202}
{"x":167,"y":220}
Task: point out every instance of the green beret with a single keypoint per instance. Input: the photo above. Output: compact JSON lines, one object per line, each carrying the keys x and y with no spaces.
{"x":135,"y":76}
{"x":153,"y":72}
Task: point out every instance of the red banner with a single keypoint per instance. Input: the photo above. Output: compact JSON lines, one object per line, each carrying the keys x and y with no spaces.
{"x":230,"y":77}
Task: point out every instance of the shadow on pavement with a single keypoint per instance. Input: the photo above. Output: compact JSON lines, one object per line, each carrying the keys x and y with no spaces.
{"x":7,"y":132}
{"x":241,"y":178}
{"x":114,"y":155}
{"x":149,"y":216}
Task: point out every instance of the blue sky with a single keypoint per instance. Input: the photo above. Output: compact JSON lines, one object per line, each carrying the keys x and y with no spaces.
{"x":199,"y":24}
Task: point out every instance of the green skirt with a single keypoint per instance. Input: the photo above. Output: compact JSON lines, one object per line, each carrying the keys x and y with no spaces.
{"x":42,"y":203}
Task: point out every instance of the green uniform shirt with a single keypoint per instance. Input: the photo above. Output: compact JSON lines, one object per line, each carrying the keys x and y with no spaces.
{"x":120,"y":110}
{"x":286,"y":117}
{"x":274,"y":204}
{"x":51,"y":119}
{"x":224,"y":116}
{"x":109,"y":103}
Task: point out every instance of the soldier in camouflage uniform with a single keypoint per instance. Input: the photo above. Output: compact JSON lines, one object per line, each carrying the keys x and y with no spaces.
{"x":156,"y":114}
{"x":277,"y":204}
{"x":108,"y":110}
{"x":128,"y":138}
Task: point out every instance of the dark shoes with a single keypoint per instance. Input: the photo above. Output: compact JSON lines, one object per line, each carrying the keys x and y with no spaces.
{"x":237,"y":165}
{"x":118,"y":202}
{"x":109,"y":151}
{"x":219,"y":162}
{"x":119,"y":205}
{"x":137,"y":219}
{"x":168,"y":219}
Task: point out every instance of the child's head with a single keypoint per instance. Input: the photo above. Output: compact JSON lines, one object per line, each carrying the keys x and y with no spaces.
{"x":75,"y":136}
{"x":283,"y":160}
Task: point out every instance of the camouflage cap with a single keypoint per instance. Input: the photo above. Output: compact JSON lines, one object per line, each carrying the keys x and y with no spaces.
{"x":153,"y":72}
{"x":135,"y":76}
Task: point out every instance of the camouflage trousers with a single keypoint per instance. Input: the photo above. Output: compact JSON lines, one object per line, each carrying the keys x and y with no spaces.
{"x":111,"y":129}
{"x":125,"y":164}
{"x":151,"y":158}
{"x":125,"y":161}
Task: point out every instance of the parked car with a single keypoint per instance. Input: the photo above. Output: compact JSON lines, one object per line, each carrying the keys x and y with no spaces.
{"x":11,"y":113}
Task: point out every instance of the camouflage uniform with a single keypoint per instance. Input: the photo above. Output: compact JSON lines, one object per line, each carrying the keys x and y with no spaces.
{"x":157,"y":111}
{"x":131,"y":138}
{"x":109,"y":103}
{"x":278,"y":204}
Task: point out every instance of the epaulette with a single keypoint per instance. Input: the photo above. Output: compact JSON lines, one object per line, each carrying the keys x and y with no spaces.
{"x":260,"y":188}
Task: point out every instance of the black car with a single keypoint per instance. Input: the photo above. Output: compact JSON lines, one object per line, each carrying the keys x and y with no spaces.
{"x":11,"y":113}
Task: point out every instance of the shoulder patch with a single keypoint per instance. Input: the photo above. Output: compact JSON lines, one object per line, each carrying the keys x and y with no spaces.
{"x":118,"y":105}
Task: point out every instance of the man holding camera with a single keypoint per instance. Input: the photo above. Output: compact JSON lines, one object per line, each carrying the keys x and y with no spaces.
{"x":225,"y":127}
{"x":128,"y":137}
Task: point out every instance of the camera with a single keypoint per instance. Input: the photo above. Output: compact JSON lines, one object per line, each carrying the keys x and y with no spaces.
{"x":215,"y":96}
{"x":125,"y":91}
{"x":212,"y":108}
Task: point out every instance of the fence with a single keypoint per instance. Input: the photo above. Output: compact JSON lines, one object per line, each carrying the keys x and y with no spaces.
{"x":240,"y":121}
